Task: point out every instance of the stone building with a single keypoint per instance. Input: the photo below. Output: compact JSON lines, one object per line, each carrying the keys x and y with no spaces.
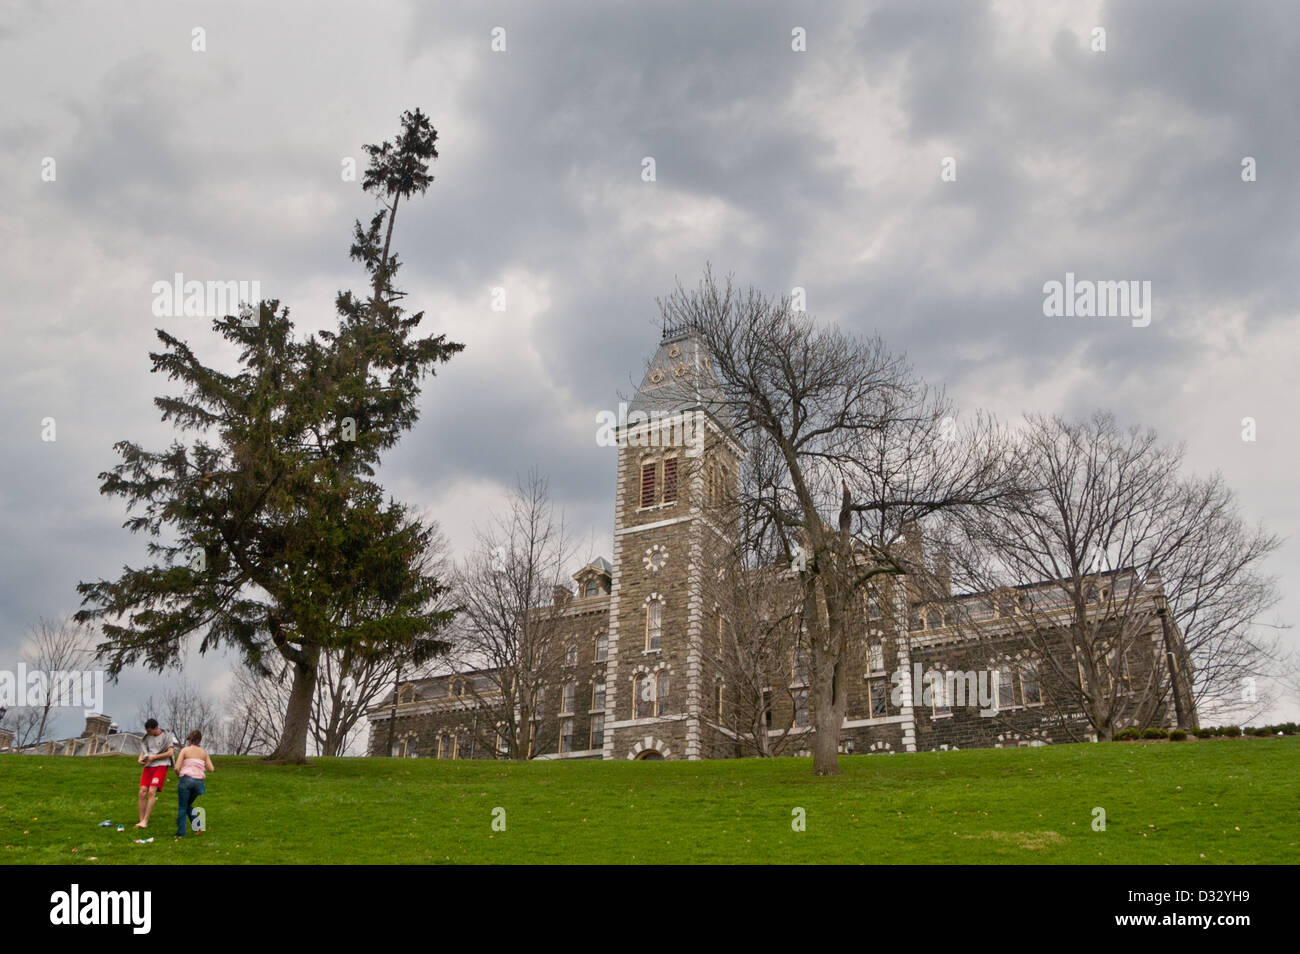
{"x":644,"y":674}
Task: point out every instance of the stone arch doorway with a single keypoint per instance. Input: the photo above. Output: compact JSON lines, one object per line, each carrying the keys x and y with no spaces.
{"x":650,"y":756}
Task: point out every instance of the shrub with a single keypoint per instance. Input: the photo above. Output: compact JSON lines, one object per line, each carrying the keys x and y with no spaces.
{"x":1127,"y":735}
{"x":1231,"y":731}
{"x":1204,"y":733}
{"x":1154,"y":733}
{"x":1177,"y":735}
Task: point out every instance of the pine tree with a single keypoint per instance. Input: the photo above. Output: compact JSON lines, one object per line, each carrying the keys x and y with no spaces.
{"x":266,"y":530}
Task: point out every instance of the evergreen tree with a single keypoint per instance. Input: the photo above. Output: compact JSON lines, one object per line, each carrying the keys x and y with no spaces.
{"x":266,"y":530}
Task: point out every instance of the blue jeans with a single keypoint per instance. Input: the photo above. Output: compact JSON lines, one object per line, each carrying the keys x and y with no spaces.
{"x":187,"y":790}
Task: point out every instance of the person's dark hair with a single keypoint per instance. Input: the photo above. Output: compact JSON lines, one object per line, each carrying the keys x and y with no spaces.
{"x":194,"y":738}
{"x":151,"y":723}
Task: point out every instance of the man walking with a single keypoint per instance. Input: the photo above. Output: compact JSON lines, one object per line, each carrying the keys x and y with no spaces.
{"x":156,"y":756}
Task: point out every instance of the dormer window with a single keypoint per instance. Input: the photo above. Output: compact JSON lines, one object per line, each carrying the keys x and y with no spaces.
{"x":591,"y":589}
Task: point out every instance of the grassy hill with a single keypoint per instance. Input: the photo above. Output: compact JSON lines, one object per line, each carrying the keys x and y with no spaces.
{"x":1224,"y":802}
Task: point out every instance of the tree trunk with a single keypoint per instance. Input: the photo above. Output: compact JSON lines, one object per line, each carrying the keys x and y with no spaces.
{"x":292,"y":746}
{"x":827,"y":719}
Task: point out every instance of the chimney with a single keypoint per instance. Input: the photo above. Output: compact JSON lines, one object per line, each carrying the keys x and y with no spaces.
{"x":96,"y":725}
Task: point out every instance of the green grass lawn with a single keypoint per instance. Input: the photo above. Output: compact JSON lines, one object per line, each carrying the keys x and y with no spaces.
{"x":1213,"y":802}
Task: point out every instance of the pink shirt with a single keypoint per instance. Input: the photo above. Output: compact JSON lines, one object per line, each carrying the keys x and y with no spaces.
{"x":192,"y":768}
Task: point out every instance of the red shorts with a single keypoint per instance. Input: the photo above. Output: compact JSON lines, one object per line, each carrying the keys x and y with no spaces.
{"x":153,"y":775}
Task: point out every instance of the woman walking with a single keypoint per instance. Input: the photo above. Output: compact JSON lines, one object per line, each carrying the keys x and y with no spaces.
{"x":191,"y":765}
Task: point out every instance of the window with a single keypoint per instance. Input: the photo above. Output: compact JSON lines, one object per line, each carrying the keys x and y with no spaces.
{"x":598,"y":731}
{"x":571,"y":655}
{"x":800,"y":671}
{"x":801,"y":707}
{"x":648,"y":484}
{"x":1006,"y":688}
{"x":875,"y":656}
{"x":918,"y":620}
{"x":654,"y":622}
{"x":670,"y":480}
{"x":873,"y":608}
{"x":720,"y":637}
{"x":651,"y":695}
{"x":570,"y":695}
{"x":503,"y":740}
{"x":933,"y":619}
{"x":644,"y":701}
{"x":540,"y":704}
{"x":602,"y":647}
{"x":878,"y":690}
{"x":1029,"y":687}
{"x":598,"y":694}
{"x":939,"y":702}
{"x":445,"y":748}
{"x":566,"y":735}
{"x":717,"y":700}
{"x":661,"y":696}
{"x":767,"y":708}
{"x":592,"y":588}
{"x":457,"y":688}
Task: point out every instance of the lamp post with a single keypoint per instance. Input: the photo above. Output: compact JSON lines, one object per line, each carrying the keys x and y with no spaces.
{"x":1162,"y":610}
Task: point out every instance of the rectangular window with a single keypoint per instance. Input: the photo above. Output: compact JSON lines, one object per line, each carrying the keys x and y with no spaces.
{"x":879,"y":690}
{"x":670,"y":480}
{"x":598,"y":695}
{"x":767,"y":708}
{"x":801,"y":707}
{"x":598,"y":731}
{"x":602,"y":648}
{"x":939,"y":694}
{"x":1006,"y":689}
{"x":570,"y":694}
{"x":875,"y":656}
{"x":800,"y":671}
{"x":1029,"y":686}
{"x":661,"y":697}
{"x":647,"y":485}
{"x":718,"y":700}
{"x":566,"y":735}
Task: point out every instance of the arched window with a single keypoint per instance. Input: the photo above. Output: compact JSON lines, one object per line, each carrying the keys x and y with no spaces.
{"x":571,"y":655}
{"x":661,"y":695}
{"x":654,"y":623}
{"x":602,"y":647}
{"x":643,"y":700}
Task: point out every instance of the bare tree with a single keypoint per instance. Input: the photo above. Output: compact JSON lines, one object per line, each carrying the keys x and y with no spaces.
{"x":182,"y":709}
{"x":58,"y":646}
{"x":513,"y":591}
{"x":24,"y":722}
{"x":352,"y":679}
{"x":862,"y":448}
{"x":257,"y":706}
{"x":1118,"y":568}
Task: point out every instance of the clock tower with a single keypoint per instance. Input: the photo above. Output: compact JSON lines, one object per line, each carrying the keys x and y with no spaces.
{"x":677,"y":461}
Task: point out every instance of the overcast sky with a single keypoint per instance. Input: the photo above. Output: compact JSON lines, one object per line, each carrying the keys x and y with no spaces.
{"x":818,"y":168}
